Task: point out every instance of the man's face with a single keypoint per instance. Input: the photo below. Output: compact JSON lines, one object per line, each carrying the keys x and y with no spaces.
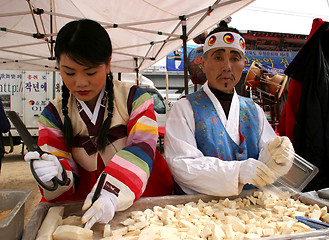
{"x":223,"y":68}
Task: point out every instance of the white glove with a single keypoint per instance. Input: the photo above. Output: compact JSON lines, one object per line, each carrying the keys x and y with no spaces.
{"x":278,"y":155}
{"x":255,"y":172}
{"x":46,"y":167}
{"x":102,"y":210}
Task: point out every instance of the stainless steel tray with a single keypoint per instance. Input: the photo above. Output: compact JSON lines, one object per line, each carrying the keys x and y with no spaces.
{"x":12,"y":227}
{"x":41,"y":210}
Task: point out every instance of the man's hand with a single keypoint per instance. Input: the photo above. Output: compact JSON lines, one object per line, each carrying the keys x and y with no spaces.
{"x":102,"y":210}
{"x":46,"y":167}
{"x":278,"y":155}
{"x":255,"y":172}
{"x":278,"y":149}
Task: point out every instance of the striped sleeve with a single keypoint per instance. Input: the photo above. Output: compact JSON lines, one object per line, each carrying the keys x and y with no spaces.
{"x":51,"y":137}
{"x":51,"y":140}
{"x":132,"y":165}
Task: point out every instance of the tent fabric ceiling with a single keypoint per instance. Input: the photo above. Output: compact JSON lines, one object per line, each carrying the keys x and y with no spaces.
{"x":142,"y":31}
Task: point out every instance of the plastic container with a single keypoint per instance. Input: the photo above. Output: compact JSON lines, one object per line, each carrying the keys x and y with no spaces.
{"x":295,"y":180}
{"x":12,"y":227}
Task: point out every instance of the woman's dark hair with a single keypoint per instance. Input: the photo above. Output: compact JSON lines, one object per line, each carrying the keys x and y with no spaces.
{"x":84,"y":41}
{"x":87,"y":43}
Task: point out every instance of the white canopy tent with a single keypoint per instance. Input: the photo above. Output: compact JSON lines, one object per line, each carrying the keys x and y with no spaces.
{"x":142,"y":31}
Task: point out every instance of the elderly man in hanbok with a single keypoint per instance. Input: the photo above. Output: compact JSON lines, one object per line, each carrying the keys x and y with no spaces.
{"x":218,"y":142}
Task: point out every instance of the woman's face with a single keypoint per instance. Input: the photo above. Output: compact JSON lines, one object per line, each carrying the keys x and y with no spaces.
{"x":85,"y":83}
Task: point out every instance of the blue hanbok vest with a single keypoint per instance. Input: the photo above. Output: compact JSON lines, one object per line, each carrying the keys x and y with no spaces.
{"x":211,"y":136}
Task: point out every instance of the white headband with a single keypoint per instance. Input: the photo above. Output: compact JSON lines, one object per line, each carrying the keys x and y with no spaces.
{"x":224,"y":39}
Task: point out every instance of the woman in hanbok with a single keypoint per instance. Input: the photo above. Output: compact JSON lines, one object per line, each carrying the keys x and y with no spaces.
{"x":98,"y":125}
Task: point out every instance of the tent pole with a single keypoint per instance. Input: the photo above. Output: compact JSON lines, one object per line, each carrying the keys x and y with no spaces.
{"x":137,"y":71}
{"x":184,"y":38}
{"x":167,"y":95}
{"x":33,"y":17}
{"x":52,"y":57}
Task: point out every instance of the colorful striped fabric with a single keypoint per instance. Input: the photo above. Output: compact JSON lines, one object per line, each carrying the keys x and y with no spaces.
{"x":130,"y":167}
{"x":141,"y":144}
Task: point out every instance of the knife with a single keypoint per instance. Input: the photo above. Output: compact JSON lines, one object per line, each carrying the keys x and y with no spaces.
{"x":98,"y":190}
{"x":32,"y":146}
{"x":99,"y":187}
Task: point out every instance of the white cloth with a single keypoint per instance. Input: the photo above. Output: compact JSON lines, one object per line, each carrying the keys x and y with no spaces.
{"x":194,"y":172}
{"x":93,"y":115}
{"x":224,"y":40}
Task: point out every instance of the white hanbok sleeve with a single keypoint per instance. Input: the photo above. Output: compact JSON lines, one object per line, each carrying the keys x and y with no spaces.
{"x":194,"y":172}
{"x":266,"y":131}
